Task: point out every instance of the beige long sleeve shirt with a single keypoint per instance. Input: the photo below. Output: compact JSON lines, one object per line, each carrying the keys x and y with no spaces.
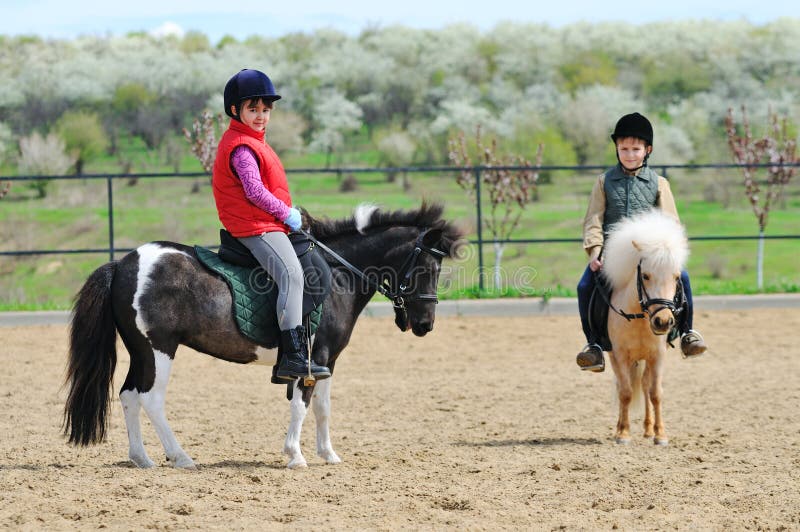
{"x":593,"y":221}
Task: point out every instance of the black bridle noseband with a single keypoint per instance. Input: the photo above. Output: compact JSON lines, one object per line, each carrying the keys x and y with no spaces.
{"x":404,"y":293}
{"x":675,"y":305}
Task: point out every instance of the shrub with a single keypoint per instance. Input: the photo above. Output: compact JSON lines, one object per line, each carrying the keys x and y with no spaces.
{"x":349,"y":184}
{"x":43,"y":156}
{"x":84,"y":136}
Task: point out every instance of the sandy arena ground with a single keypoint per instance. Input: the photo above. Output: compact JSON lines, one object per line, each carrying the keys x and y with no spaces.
{"x":486,"y":423}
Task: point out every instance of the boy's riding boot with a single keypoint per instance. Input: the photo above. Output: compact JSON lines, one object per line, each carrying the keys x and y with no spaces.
{"x":591,"y":358}
{"x":294,"y":361}
{"x":692,"y":344}
{"x":275,"y":379}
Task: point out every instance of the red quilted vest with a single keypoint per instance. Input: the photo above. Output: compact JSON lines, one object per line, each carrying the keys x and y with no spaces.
{"x":240,"y":217}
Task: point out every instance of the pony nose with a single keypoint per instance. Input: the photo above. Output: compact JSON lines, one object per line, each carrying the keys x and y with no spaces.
{"x":663,"y":324}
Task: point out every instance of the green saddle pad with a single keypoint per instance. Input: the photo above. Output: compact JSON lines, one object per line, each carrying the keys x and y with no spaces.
{"x":253,"y":311}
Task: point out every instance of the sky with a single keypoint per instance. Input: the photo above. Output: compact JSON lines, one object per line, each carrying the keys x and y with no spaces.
{"x":67,"y":19}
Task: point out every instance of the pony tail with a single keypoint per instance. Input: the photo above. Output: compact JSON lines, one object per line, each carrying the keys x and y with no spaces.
{"x":635,"y":374}
{"x":92,"y":359}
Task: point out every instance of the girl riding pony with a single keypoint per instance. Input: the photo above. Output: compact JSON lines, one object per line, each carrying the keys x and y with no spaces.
{"x":253,"y":202}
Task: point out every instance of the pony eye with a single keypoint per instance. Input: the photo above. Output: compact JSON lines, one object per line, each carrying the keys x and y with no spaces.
{"x":646,"y":276}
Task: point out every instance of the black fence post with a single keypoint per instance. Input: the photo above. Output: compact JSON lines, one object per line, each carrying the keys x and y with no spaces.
{"x":479,"y":228}
{"x":109,"y":182}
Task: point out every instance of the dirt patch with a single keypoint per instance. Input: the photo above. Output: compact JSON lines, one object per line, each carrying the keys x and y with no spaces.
{"x":485,"y":423}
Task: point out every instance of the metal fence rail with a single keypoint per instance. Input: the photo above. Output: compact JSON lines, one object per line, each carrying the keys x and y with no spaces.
{"x":111,"y":250}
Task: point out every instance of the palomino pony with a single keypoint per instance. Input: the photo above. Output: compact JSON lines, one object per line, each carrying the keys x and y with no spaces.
{"x":160,"y":296}
{"x":644,"y":256}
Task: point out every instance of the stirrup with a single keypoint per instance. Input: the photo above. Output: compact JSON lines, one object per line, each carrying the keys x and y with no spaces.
{"x":597,"y":362}
{"x":275,"y":379}
{"x":695,"y":346}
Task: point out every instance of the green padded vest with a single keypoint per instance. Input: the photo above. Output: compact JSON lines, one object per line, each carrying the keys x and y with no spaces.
{"x":628,"y":195}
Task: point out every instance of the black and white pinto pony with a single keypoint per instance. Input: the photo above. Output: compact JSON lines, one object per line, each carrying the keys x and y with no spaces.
{"x":159,"y":296}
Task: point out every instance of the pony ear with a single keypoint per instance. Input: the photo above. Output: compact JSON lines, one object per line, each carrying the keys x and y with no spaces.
{"x":636,"y":245}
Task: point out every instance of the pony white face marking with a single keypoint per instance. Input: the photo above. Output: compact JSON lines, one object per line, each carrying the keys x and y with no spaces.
{"x":149,"y":254}
{"x":363,"y":216}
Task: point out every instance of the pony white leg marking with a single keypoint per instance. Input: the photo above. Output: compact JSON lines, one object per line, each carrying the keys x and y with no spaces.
{"x":291,"y":446}
{"x":321,"y":403}
{"x":153,"y":403}
{"x":148,"y":257}
{"x":130,"y":408}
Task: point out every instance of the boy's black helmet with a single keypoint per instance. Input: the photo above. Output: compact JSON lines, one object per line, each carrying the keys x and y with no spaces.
{"x":247,"y":84}
{"x":633,"y":125}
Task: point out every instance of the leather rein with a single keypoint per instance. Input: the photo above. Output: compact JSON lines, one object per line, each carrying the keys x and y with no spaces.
{"x":675,"y":305}
{"x":404,"y":292}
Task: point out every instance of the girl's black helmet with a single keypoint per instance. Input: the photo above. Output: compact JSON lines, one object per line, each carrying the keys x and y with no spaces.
{"x":634,"y":125}
{"x":247,"y":84}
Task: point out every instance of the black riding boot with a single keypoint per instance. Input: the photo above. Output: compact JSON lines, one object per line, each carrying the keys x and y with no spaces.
{"x":275,"y":379}
{"x":294,"y":362}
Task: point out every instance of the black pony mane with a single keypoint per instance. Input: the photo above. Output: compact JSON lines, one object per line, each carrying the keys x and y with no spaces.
{"x":429,"y":215}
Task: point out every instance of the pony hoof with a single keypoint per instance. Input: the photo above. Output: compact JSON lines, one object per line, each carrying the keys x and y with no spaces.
{"x":623,"y":441}
{"x":662,"y":442}
{"x":183,"y":462}
{"x":142,"y":462}
{"x":297,"y":463}
{"x":330,"y":457}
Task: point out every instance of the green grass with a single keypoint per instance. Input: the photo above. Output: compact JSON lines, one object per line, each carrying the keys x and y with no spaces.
{"x":74,"y":215}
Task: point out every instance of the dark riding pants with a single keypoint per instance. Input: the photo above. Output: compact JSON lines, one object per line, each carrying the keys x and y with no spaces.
{"x":586,"y":287}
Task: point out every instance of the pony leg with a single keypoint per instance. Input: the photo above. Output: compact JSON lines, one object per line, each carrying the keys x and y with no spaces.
{"x":647,"y":380}
{"x":291,"y":446}
{"x":321,"y":403}
{"x":655,"y":392}
{"x":625,"y":394}
{"x":131,"y":408}
{"x":153,"y":403}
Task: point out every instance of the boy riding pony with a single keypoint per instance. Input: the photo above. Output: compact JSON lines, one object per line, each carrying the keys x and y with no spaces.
{"x":626,"y":189}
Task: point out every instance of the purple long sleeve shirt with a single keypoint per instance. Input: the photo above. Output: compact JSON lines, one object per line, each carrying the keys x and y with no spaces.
{"x":244,"y":164}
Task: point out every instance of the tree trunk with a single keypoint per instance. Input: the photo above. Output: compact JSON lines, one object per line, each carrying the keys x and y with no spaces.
{"x":406,"y":182}
{"x":498,"y":257}
{"x":760,"y":260}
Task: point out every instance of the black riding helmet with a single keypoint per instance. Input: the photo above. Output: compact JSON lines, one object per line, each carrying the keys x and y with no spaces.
{"x":245,"y":85}
{"x":633,"y":125}
{"x":636,"y":126}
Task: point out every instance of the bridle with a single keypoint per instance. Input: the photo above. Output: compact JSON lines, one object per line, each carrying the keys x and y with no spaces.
{"x":404,"y":292}
{"x":675,"y":305}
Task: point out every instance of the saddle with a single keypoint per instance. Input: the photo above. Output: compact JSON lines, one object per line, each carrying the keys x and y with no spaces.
{"x":254,"y":307}
{"x":599,"y":307}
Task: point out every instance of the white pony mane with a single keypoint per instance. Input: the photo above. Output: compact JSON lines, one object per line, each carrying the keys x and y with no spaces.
{"x":363,"y":216}
{"x":661,"y":242}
